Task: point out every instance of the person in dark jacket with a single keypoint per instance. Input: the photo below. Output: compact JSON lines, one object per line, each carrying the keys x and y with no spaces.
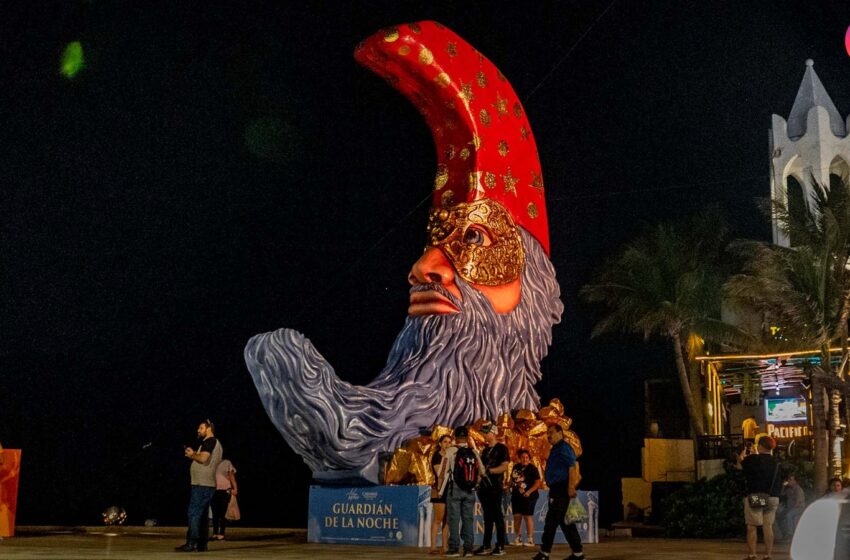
{"x":557,"y":475}
{"x":761,"y":472}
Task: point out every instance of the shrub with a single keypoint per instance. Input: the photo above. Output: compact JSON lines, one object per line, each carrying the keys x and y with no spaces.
{"x":707,"y":508}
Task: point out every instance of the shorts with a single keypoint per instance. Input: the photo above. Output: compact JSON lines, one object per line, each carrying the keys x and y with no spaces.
{"x":761,"y":516}
{"x":523,"y":506}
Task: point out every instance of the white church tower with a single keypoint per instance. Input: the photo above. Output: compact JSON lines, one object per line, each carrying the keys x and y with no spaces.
{"x":812,"y":144}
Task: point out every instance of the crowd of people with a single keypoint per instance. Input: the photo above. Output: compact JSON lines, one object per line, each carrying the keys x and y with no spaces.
{"x":462,"y":472}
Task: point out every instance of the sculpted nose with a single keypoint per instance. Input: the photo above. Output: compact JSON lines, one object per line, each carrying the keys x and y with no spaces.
{"x":432,"y":268}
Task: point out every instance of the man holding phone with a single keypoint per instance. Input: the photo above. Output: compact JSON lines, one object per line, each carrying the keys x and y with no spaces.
{"x":205,"y":460}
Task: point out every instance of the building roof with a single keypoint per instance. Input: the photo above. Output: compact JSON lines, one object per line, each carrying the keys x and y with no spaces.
{"x":813,"y":94}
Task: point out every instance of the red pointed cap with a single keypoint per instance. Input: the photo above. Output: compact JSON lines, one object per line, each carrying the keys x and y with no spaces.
{"x":485,"y":148}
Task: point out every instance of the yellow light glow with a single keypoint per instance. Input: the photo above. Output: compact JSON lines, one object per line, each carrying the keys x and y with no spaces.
{"x":762,"y":356}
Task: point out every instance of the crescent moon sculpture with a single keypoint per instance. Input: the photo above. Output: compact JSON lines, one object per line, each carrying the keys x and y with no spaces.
{"x":483,"y":295}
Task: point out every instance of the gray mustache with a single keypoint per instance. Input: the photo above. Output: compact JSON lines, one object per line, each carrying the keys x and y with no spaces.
{"x":440,"y":290}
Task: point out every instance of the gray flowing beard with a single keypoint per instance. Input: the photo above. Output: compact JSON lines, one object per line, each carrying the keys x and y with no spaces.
{"x":442,"y":369}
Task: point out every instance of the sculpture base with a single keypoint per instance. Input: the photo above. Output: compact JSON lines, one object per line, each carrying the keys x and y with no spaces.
{"x":10,"y":469}
{"x":401,"y":516}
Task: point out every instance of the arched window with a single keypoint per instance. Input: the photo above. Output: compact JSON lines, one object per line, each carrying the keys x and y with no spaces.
{"x":838,"y":171}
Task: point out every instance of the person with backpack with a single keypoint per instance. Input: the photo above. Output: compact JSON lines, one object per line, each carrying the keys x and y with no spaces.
{"x":465,"y":468}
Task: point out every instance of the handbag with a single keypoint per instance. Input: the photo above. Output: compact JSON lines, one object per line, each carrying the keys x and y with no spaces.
{"x":758,"y":500}
{"x":232,"y":513}
{"x":575,"y":512}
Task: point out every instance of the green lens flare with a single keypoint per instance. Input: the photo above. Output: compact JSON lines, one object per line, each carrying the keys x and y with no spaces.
{"x":72,"y":59}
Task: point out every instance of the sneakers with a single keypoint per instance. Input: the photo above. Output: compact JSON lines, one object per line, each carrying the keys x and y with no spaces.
{"x":482,"y":551}
{"x":574,"y":557}
{"x":498,"y":551}
{"x":517,"y":542}
{"x":186,"y":548}
{"x":529,"y":542}
{"x":541,"y":556}
{"x":452,"y":553}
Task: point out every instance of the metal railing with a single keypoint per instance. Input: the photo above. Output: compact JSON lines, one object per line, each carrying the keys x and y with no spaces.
{"x":719,"y":447}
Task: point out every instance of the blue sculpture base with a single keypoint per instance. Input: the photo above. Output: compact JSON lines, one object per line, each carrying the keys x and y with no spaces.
{"x":401,"y":516}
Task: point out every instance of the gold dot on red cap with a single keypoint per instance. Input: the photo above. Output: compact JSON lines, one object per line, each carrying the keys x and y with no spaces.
{"x":391,"y":34}
{"x":484,"y":117}
{"x":518,"y":110}
{"x":532,"y":210}
{"x":523,"y":132}
{"x":404,"y":50}
{"x":476,"y":142}
{"x":450,"y":151}
{"x":443,"y":79}
{"x":464,"y":154}
{"x":503,"y":148}
{"x":465,"y":93}
{"x":425,"y":56}
{"x":481,"y":78}
{"x":501,"y":105}
{"x":490,"y":180}
{"x":451,"y":48}
{"x":447,"y":198}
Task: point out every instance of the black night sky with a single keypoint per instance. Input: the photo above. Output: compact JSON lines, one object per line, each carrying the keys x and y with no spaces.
{"x":215,"y":172}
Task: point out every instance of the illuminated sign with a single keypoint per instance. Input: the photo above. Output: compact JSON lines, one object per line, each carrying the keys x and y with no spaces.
{"x":786,"y":410}
{"x":787,"y":432}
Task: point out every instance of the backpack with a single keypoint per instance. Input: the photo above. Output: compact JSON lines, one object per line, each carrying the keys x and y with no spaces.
{"x":465,"y":470}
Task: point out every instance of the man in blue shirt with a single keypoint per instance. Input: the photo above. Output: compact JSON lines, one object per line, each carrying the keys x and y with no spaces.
{"x":557,"y":475}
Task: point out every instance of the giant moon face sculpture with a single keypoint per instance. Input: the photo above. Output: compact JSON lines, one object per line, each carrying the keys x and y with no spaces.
{"x":483,"y":296}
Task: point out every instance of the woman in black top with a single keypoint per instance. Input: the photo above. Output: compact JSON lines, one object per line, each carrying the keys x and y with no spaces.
{"x":438,"y":503}
{"x":525,"y":481}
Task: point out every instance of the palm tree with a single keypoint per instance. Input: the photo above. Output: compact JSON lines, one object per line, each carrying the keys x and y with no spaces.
{"x":667,"y":283}
{"x":805,"y":289}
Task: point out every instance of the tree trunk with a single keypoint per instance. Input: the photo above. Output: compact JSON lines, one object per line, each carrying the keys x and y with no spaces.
{"x":842,"y":372}
{"x":681,"y":367}
{"x":835,"y":438}
{"x":689,"y":349}
{"x":820,"y":435}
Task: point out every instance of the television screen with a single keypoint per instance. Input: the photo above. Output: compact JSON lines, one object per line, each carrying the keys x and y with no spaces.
{"x":786,"y":410}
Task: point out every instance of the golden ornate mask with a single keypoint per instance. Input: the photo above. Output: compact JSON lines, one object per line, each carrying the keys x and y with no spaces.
{"x":480,"y":239}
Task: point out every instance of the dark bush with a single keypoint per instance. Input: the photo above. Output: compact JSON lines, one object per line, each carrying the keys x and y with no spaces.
{"x":707,"y":508}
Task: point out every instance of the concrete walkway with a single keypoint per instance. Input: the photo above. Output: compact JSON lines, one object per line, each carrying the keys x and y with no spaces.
{"x":133,"y":543}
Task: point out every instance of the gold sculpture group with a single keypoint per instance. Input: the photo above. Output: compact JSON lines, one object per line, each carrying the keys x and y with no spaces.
{"x":411,"y":464}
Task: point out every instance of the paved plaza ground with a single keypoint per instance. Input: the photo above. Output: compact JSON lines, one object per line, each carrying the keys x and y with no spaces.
{"x":133,"y":543}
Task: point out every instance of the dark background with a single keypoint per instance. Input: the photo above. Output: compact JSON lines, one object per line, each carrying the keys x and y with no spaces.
{"x":215,"y":172}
